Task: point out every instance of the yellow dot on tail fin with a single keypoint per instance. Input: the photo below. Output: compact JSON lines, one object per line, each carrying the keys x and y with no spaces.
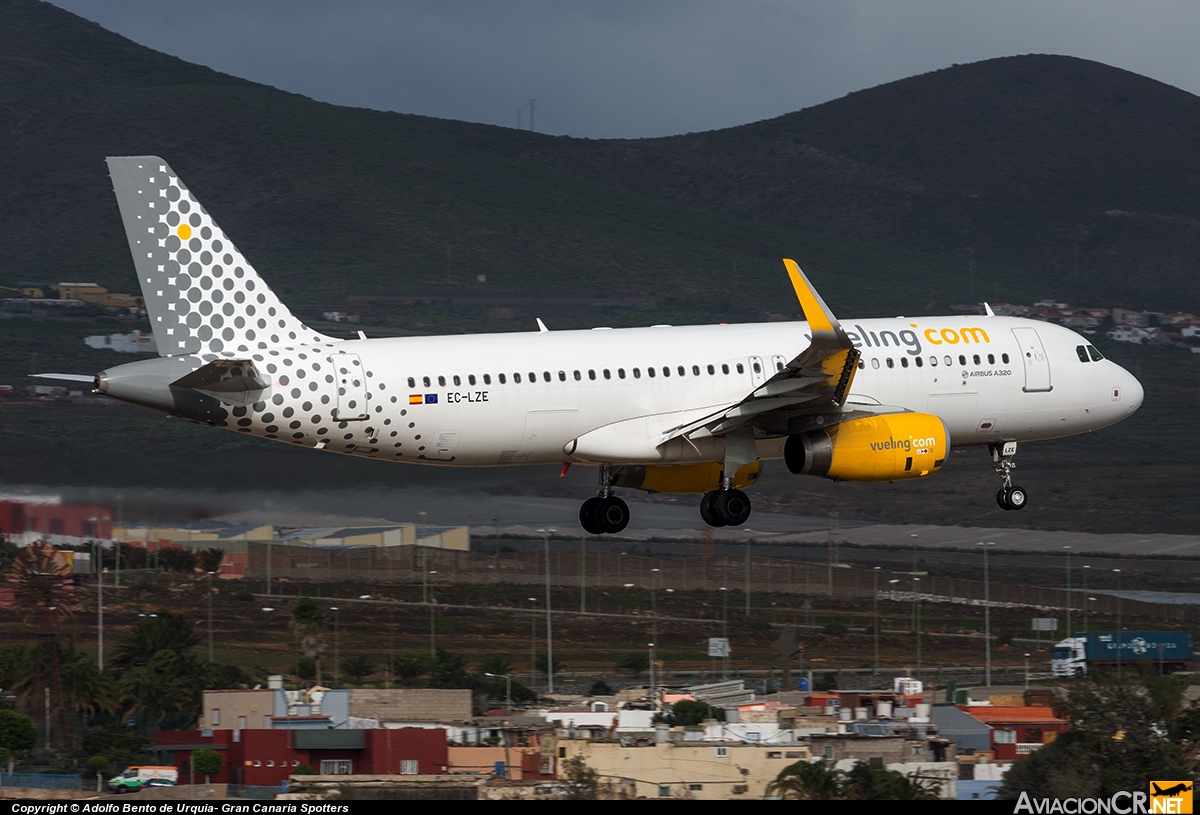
{"x":184,"y":232}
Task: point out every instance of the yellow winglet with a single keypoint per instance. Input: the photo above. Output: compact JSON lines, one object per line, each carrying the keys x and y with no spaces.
{"x":815,"y":310}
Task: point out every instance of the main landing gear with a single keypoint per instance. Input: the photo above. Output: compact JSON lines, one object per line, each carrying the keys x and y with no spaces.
{"x":727,"y":507}
{"x":605,"y":513}
{"x":1009,"y":497}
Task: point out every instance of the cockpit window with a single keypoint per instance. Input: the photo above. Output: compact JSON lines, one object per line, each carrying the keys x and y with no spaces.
{"x":1096,"y":355}
{"x":1081,"y":352}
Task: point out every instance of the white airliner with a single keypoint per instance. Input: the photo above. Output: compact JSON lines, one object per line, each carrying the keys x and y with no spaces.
{"x":666,"y":409}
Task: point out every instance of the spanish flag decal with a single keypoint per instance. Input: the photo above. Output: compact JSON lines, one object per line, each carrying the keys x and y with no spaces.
{"x":415,"y":399}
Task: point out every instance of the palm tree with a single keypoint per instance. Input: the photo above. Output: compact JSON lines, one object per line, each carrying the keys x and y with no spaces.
{"x":308,"y":621}
{"x":807,"y":781}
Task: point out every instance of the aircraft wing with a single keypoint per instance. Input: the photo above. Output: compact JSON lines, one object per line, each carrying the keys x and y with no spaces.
{"x":818,"y":378}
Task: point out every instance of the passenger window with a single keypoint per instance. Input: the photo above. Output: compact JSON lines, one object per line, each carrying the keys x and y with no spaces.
{"x":425,"y":379}
{"x":682,"y":371}
{"x":546,"y":376}
{"x":875,"y":363}
{"x":579,"y":376}
{"x":962,"y":359}
{"x":533,"y":377}
{"x":949,"y":360}
{"x":592,"y":374}
{"x":412,"y":383}
{"x":1004,"y":358}
{"x":1081,"y":352}
{"x":650,"y":372}
{"x":667,"y":370}
{"x":696,"y":370}
{"x":637,"y":373}
{"x":442,"y":381}
{"x":517,"y":378}
{"x":890,"y":364}
{"x":456,"y":380}
{"x":975,"y":359}
{"x":862,"y":363}
{"x":711,"y":370}
{"x":741,"y":368}
{"x":919,"y":361}
{"x":502,"y":380}
{"x":562,"y":376}
{"x":779,"y":366}
{"x":991,"y":359}
{"x":607,"y":374}
{"x":903,"y":362}
{"x":487,"y":379}
{"x":933,"y":362}
{"x":724,"y":369}
{"x":470,"y":379}
{"x":620,"y":373}
{"x":1096,"y":355}
{"x":757,"y":368}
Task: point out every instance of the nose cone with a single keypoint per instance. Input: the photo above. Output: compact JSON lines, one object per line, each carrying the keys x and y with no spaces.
{"x":1132,"y":392}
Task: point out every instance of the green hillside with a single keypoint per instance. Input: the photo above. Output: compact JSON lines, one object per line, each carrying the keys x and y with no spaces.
{"x":331,"y":201}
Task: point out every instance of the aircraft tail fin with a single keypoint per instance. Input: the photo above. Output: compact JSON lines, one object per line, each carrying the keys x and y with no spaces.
{"x":202,"y":296}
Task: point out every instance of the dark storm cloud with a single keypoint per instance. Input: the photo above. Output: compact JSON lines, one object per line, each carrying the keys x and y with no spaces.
{"x":621,"y":68}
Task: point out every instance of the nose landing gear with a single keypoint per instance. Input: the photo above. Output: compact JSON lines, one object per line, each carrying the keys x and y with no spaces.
{"x":1009,"y":497}
{"x":605,"y":513}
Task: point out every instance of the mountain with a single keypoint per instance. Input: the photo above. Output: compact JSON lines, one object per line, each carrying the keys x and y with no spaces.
{"x":330,"y":201}
{"x":1071,"y":167}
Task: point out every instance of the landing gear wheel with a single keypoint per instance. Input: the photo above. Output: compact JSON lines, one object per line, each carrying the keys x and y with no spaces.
{"x":732,"y":507}
{"x":1000,"y":500}
{"x":1016,"y":497}
{"x":707,"y":513}
{"x":612,"y":514}
{"x":587,"y":517}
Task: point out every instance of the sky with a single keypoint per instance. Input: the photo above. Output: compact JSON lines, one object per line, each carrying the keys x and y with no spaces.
{"x":632,"y":68}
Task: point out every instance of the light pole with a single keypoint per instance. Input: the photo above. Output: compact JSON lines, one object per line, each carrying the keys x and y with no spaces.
{"x":533,"y":644}
{"x":1120,"y":653}
{"x":1068,"y":551}
{"x":507,"y":687}
{"x":1027,"y":672}
{"x":917,"y":601}
{"x":337,"y":662}
{"x":747,"y":578}
{"x":583,"y":574}
{"x":545,"y":533}
{"x":432,"y":625}
{"x":210,"y":633}
{"x":100,"y":615}
{"x":653,"y":683}
{"x":1086,"y":569}
{"x":875,"y":593}
{"x":987,"y":614}
{"x":725,"y":630}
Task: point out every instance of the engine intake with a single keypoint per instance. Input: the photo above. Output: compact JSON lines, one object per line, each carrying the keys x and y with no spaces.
{"x":876,"y":448}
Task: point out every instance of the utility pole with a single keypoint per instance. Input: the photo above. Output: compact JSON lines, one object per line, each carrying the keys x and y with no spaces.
{"x":875,"y":625}
{"x":549,"y":620}
{"x":1068,"y":548}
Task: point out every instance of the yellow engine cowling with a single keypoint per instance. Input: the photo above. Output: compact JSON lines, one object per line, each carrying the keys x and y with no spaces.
{"x":875,"y":448}
{"x":683,"y":478}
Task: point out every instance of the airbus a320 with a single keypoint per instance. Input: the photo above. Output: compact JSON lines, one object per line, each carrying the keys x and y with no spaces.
{"x":666,"y":409}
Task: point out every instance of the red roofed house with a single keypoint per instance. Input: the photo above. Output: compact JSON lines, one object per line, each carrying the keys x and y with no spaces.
{"x":1017,"y":730}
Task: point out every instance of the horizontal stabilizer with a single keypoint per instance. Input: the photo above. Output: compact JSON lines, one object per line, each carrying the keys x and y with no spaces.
{"x":88,"y":378}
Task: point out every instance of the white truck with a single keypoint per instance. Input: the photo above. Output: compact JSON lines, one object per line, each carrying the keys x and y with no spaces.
{"x":136,"y":777}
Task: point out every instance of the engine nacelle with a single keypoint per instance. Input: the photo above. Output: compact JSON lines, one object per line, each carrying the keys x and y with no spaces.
{"x":683,"y":478}
{"x":876,"y":448}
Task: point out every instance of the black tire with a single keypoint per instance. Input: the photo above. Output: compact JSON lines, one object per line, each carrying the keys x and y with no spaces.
{"x":732,"y":507}
{"x":587,"y":517}
{"x":1016,"y":497}
{"x":612,"y":515}
{"x":1001,"y":500}
{"x":707,"y":514}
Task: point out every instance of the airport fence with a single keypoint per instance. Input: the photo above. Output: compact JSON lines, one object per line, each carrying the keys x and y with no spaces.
{"x":592,"y":570}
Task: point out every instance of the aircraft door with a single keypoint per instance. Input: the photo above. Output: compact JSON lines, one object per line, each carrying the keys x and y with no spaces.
{"x":1037,"y":364}
{"x":758,"y":373}
{"x":351,"y":383}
